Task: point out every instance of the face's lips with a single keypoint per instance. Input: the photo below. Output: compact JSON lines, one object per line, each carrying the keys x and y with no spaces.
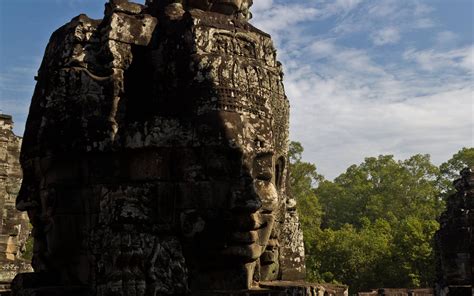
{"x":249,"y":237}
{"x":250,"y":252}
{"x":249,"y":243}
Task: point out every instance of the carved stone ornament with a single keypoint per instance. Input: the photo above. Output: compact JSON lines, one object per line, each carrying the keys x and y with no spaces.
{"x":155,"y":156}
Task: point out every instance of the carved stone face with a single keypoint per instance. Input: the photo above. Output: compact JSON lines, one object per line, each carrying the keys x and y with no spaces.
{"x":196,"y":162}
{"x":229,"y":225}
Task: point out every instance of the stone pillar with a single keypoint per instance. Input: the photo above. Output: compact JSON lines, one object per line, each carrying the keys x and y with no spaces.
{"x":454,"y":240}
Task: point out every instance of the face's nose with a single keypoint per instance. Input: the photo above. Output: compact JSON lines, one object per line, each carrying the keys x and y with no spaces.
{"x":245,"y":198}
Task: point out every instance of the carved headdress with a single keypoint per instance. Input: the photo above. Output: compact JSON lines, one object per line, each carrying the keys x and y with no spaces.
{"x":238,"y":8}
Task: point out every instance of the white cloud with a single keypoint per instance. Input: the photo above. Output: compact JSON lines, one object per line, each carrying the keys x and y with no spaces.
{"x":347,"y":105}
{"x":322,"y":48}
{"x":273,"y":16}
{"x":468,"y":60}
{"x":341,"y":7}
{"x":383,"y":8}
{"x":388,"y":35}
{"x":397,"y":15}
{"x":424,"y":23}
{"x":432,"y":60}
{"x":347,"y":5}
{"x":338,"y":125}
{"x":422,"y":8}
{"x":261,"y":5}
{"x":446,"y":38}
{"x":282,"y":17}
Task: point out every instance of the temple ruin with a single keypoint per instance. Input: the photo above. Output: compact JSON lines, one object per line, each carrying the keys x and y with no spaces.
{"x":155,"y":162}
{"x":455,"y":240}
{"x":14,"y":225}
{"x":155,"y":158}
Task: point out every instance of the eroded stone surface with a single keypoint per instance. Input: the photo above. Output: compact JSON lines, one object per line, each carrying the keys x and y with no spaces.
{"x":455,"y":240}
{"x":155,"y":154}
{"x":14,"y":225}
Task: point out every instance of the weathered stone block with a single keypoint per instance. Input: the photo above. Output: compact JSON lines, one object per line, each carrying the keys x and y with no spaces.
{"x":14,"y":225}
{"x":130,"y":29}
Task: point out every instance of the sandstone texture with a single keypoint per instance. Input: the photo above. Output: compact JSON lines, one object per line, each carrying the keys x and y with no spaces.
{"x":155,"y":157}
{"x":455,"y":240}
{"x":14,"y":225}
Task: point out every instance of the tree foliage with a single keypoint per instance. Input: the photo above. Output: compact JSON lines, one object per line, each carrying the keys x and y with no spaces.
{"x":303,"y":178}
{"x":373,"y":226}
{"x":450,"y":169}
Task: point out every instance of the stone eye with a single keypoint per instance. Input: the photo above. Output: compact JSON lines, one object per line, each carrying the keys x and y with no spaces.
{"x":262,"y":167}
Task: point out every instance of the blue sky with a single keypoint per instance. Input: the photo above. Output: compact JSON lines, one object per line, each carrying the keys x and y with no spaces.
{"x":364,"y":77}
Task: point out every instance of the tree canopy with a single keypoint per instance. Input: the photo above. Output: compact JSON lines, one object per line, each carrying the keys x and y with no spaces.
{"x":450,"y":169}
{"x":373,"y":226}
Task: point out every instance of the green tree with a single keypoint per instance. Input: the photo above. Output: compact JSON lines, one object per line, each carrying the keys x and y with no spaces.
{"x":355,"y":257}
{"x":449,"y":170}
{"x":28,"y":253}
{"x":373,"y":225}
{"x":303,"y":178}
{"x":413,"y":251}
{"x":381,"y":188}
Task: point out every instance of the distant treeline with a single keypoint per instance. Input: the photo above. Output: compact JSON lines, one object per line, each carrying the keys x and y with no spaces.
{"x":373,"y":226}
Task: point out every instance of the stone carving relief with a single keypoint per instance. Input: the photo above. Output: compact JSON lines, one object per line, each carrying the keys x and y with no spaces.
{"x":155,"y":154}
{"x":14,"y":225}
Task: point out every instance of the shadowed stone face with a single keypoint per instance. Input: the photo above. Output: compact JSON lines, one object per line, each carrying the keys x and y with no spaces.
{"x":236,"y":188}
{"x":155,"y":154}
{"x":235,"y":202}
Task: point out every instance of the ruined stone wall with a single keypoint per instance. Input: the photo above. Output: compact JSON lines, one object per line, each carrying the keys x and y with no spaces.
{"x":14,"y":225}
{"x":455,"y":240}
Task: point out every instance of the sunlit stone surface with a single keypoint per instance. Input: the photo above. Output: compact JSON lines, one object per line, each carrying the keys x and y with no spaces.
{"x":14,"y":225}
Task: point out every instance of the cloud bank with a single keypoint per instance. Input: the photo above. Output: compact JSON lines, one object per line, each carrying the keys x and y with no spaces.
{"x":358,"y":87}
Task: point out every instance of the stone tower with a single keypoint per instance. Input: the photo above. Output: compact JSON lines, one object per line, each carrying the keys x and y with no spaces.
{"x":455,"y":240}
{"x":14,"y":225}
{"x":155,"y":156}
